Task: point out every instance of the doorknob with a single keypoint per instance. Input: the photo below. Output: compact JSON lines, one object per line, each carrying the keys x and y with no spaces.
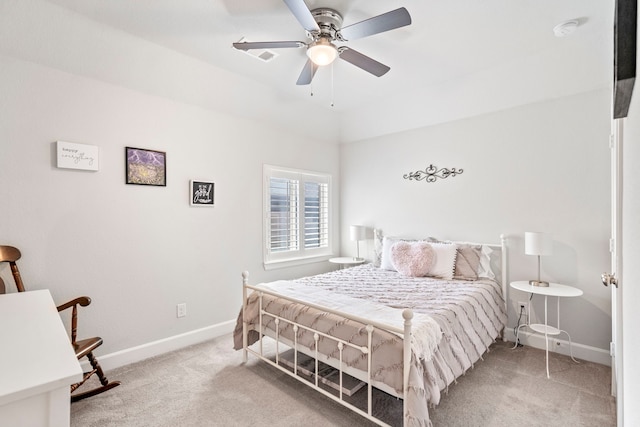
{"x":609,"y":279}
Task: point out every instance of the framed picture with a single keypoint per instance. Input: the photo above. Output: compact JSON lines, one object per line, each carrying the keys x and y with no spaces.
{"x":146,"y":167}
{"x":201,"y":193}
{"x":78,"y":156}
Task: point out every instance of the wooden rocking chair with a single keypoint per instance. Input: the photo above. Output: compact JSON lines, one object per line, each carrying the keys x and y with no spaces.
{"x":82,"y":348}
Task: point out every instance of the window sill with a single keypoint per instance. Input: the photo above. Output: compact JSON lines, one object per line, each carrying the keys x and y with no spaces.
{"x":273,"y":265}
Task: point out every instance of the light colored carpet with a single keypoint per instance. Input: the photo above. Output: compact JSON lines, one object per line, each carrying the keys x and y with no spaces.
{"x":207,"y":385}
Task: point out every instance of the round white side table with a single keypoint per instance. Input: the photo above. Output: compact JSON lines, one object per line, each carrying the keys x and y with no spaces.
{"x":554,"y":290}
{"x":345,"y":261}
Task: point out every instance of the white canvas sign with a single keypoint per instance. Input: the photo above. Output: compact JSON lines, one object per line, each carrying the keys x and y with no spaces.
{"x":78,"y":156}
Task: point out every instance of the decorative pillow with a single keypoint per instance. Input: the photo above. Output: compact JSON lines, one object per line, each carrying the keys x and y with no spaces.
{"x":387,"y":242}
{"x":485,"y":269}
{"x":377,"y":247}
{"x":412,"y":259}
{"x":467,"y":262}
{"x":445,"y":260}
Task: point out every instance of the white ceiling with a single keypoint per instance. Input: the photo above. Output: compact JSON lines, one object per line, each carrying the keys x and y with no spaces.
{"x":458,"y":58}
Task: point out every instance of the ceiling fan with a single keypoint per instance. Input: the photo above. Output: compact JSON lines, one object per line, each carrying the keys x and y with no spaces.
{"x":324,"y":28}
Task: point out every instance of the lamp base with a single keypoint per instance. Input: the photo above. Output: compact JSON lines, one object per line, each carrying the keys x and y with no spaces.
{"x":539,"y":283}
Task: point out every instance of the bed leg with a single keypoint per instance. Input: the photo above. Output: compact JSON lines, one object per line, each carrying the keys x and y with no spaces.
{"x":245,"y":338}
{"x":407,"y":315}
{"x":245,"y":353}
{"x":504,"y":278}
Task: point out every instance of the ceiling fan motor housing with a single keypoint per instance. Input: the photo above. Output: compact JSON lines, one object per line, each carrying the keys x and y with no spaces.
{"x":329,"y":21}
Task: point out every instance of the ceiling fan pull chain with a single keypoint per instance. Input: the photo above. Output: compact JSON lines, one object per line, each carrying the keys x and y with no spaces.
{"x":332,"y":84}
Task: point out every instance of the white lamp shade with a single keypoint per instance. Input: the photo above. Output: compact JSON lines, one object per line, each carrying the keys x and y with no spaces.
{"x":357,"y":232}
{"x":536,"y":243}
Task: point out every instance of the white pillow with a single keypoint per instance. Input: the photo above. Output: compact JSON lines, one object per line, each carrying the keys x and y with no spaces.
{"x":385,"y":256}
{"x":484,"y":269}
{"x":444,"y":262}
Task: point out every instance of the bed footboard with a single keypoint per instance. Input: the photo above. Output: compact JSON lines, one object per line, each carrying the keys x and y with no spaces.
{"x":342,"y":346}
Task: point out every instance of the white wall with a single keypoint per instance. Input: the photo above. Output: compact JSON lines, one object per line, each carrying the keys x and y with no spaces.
{"x":541,"y":167}
{"x":136,"y":250}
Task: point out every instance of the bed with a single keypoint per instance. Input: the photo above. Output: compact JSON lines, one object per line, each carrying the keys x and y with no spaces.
{"x":408,"y":336}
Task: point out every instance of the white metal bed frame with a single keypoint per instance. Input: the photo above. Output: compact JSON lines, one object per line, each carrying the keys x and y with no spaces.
{"x":371,"y":326}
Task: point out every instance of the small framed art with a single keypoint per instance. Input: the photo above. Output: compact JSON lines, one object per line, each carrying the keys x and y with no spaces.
{"x":78,"y":156}
{"x":201,"y":193}
{"x":146,"y":167}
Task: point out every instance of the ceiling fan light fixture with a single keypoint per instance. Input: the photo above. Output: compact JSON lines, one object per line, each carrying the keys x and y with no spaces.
{"x":322,"y":52}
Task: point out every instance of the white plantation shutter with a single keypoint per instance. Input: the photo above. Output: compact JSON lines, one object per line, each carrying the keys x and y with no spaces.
{"x":283,"y":222}
{"x":297,"y":211}
{"x":316,"y":213}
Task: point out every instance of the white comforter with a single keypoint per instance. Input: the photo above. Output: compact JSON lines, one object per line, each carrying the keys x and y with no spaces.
{"x":471,"y":314}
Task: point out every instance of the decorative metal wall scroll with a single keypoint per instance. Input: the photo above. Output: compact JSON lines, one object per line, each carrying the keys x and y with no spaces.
{"x":432,"y":173}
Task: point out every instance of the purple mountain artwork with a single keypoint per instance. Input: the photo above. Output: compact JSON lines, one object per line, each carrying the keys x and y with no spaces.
{"x":146,"y":167}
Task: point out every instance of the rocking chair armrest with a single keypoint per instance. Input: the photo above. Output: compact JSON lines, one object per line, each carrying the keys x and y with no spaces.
{"x":83,"y":301}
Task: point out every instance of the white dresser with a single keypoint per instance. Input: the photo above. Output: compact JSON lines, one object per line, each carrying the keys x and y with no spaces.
{"x":37,"y":363}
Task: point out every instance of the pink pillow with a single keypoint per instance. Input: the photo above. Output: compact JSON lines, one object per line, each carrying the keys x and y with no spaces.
{"x":412,"y":258}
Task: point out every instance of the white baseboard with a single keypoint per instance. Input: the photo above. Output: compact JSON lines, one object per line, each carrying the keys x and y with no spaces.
{"x":155,"y":348}
{"x":580,"y":351}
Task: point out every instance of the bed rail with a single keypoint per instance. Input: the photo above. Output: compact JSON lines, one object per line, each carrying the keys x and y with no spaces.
{"x":366,"y":350}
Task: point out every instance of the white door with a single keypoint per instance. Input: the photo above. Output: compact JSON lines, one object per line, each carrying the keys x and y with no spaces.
{"x":611,"y":278}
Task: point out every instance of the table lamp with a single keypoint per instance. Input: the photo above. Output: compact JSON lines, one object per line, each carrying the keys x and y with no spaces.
{"x":357,"y":233}
{"x":536,"y":243}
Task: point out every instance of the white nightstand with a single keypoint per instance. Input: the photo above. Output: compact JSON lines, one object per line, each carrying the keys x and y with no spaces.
{"x":555,"y":290}
{"x":345,"y":261}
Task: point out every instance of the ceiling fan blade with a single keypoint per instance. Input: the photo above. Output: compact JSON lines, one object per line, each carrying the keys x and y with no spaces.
{"x":302,"y":14}
{"x":362,"y":61}
{"x":307,"y":73}
{"x":378,"y":24}
{"x":267,"y":45}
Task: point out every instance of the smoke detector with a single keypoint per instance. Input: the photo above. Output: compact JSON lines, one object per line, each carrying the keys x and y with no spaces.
{"x":565,"y":28}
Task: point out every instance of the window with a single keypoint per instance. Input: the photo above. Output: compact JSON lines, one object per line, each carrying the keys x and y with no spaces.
{"x":296,"y":208}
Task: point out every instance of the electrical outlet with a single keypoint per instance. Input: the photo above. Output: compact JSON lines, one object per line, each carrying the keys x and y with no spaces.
{"x":523,"y":311}
{"x":181,"y":310}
